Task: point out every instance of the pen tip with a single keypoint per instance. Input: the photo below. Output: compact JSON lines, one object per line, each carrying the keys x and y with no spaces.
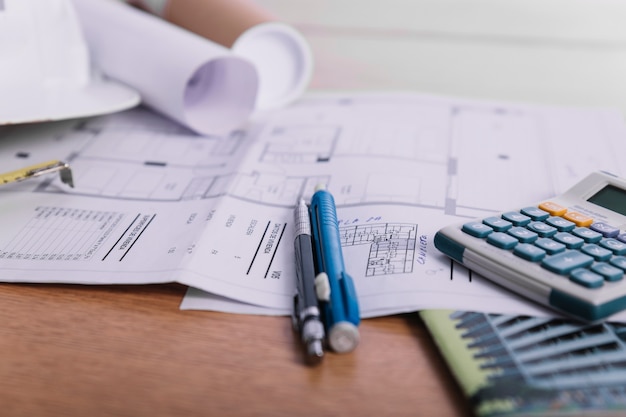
{"x":343,"y":337}
{"x":315,"y":352}
{"x":320,"y":187}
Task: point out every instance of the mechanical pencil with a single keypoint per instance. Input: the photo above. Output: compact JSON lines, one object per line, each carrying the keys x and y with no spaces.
{"x":306,"y":311}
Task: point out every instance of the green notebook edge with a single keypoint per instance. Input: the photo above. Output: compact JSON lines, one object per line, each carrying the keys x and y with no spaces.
{"x":600,"y":392}
{"x":460,"y":360}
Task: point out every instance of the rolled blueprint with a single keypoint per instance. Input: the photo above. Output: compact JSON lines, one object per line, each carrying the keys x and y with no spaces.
{"x":195,"y":81}
{"x":282,"y":58}
{"x":280,"y":53}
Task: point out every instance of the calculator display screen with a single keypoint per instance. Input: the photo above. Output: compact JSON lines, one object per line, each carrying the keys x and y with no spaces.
{"x":612,"y":198}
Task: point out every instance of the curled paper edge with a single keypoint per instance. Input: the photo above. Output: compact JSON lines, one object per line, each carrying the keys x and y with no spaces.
{"x":219,"y":96}
{"x":283,"y":59}
{"x":190,"y":79}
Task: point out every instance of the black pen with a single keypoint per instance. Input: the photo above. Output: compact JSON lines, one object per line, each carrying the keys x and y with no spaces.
{"x":306,"y":311}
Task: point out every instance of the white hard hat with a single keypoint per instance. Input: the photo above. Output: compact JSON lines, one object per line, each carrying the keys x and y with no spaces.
{"x":45,"y":71}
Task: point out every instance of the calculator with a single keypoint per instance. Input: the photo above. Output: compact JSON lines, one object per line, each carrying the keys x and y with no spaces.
{"x":568,"y":253}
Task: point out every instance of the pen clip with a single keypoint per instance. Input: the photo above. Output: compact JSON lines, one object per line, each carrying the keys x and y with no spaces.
{"x":322,"y":287}
{"x":348,"y":291}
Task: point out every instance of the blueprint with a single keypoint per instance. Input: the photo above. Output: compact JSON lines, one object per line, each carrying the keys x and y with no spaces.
{"x":155,"y":202}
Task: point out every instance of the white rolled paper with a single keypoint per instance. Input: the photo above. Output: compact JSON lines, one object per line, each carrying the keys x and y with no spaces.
{"x":281,"y":55}
{"x":282,"y":58}
{"x":186,"y":77}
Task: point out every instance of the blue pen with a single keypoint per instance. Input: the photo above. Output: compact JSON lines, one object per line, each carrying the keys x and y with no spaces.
{"x":334,"y":286}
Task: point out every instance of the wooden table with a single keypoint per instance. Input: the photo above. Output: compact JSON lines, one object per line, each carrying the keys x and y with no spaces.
{"x":129,"y":351}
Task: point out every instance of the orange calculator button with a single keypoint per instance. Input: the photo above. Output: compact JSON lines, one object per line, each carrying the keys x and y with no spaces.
{"x":578,"y":218}
{"x":553,"y":208}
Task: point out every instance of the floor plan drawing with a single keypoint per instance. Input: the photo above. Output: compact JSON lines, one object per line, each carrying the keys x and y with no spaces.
{"x":392,"y":246}
{"x":216,"y":212}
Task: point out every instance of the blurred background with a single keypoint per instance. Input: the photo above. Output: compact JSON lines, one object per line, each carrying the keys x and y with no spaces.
{"x":563,"y":52}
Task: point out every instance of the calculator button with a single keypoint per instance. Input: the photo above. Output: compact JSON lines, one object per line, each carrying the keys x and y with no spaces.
{"x":498,"y":224}
{"x":553,"y":208}
{"x":614,"y":245}
{"x":529,"y":252}
{"x":565,"y":262}
{"x":523,"y":235}
{"x":535,"y":213}
{"x":598,"y":253}
{"x":619,"y":261}
{"x":542,"y":229}
{"x":578,"y":218}
{"x":587,"y":278}
{"x":606,"y":229}
{"x":621,"y":237}
{"x":569,"y":240}
{"x":609,"y":272}
{"x":550,"y":245}
{"x":589,"y":235}
{"x":502,"y":240}
{"x":518,"y":219}
{"x":561,"y":224}
{"x":477,"y":229}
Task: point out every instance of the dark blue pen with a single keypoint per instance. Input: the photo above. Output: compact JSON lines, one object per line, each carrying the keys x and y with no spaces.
{"x":306,"y":312}
{"x":341,"y":308}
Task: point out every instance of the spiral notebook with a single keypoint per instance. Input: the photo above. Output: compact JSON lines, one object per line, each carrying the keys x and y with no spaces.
{"x":511,"y":365}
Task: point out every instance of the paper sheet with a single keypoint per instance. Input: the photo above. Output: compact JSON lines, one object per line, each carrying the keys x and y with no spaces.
{"x":155,"y":203}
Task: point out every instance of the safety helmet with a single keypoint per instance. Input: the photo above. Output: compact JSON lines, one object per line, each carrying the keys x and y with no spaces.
{"x":45,"y":71}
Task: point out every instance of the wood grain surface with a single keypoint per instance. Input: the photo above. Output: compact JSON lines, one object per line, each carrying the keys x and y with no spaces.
{"x":129,"y":351}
